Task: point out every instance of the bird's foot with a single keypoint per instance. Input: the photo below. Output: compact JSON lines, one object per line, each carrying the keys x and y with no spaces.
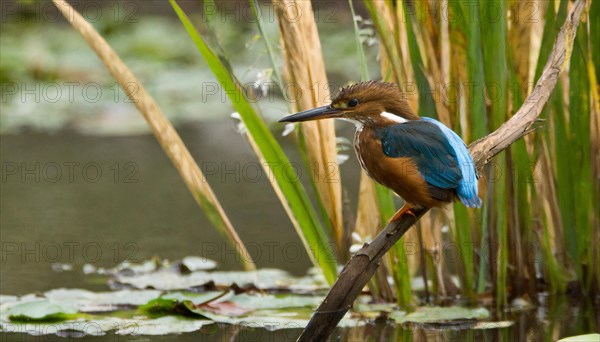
{"x":404,"y":210}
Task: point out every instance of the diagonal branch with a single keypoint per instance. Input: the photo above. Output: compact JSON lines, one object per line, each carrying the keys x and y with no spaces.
{"x":361,"y":267}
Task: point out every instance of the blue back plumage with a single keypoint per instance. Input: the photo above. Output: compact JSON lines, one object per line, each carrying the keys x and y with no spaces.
{"x":441,"y":156}
{"x":467,"y":187}
{"x":427,"y":146}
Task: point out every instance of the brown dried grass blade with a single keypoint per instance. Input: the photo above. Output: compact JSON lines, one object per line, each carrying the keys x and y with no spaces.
{"x":368,"y":223}
{"x":368,"y":220}
{"x":305,"y":70}
{"x":519,"y":40}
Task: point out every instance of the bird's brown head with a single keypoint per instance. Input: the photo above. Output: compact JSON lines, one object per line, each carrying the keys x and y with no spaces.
{"x":367,"y":103}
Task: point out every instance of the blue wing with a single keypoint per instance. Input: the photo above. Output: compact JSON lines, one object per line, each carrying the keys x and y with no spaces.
{"x":467,"y":187}
{"x":427,"y":146}
{"x":441,"y":156}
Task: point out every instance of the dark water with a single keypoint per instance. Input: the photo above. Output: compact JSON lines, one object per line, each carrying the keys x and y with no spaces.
{"x":68,"y":198}
{"x":75,"y":200}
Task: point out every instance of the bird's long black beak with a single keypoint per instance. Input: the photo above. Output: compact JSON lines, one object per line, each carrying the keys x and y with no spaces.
{"x":318,"y":113}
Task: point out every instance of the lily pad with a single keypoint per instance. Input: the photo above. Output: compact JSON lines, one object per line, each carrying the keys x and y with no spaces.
{"x":251,"y":300}
{"x":375,"y":310}
{"x":273,"y":312}
{"x":193,"y":272}
{"x":267,"y":301}
{"x":166,"y":279}
{"x":6,"y":299}
{"x":87,"y":301}
{"x":493,"y":325}
{"x":41,"y":310}
{"x":163,"y":326}
{"x":145,"y":267}
{"x":226,"y":308}
{"x":195,"y":263}
{"x":71,"y":328}
{"x":440,"y":314}
{"x":292,"y":318}
{"x":582,"y":338}
{"x":160,"y":307}
{"x":195,"y":298}
{"x":97,"y":327}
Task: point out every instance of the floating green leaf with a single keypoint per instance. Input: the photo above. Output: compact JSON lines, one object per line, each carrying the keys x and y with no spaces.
{"x":88,"y":301}
{"x":41,"y":310}
{"x":581,"y":338}
{"x":442,"y":314}
{"x":164,"y":306}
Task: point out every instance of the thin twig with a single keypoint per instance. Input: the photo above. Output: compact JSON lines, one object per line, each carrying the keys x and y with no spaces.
{"x":363,"y":264}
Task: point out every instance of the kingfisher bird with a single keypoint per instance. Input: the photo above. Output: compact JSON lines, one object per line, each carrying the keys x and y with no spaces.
{"x":418,"y":158}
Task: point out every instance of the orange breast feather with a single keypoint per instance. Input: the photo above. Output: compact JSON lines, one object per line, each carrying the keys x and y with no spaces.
{"x":399,"y":174}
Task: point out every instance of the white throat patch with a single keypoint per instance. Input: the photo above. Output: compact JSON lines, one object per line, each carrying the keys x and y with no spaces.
{"x":358,"y":124}
{"x":393,"y":117}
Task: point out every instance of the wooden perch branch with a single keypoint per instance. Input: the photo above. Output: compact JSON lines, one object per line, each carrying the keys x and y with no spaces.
{"x":361,"y":267}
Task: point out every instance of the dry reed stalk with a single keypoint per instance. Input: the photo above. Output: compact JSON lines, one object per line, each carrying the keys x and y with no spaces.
{"x":428,"y":52}
{"x":401,"y":42}
{"x":434,"y":75}
{"x":391,"y":48}
{"x":432,"y":244}
{"x":444,"y":46}
{"x":305,"y":70}
{"x":163,"y":130}
{"x":396,"y":23}
{"x":537,"y":32}
{"x":454,"y":60}
{"x":547,"y":189}
{"x":368,"y":221}
{"x":595,"y":146}
{"x":519,"y":39}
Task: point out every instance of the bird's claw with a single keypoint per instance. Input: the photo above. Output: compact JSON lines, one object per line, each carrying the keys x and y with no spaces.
{"x":404,"y":210}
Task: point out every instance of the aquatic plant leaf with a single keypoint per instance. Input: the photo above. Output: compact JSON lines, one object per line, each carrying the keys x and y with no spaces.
{"x":493,"y":325}
{"x":41,"y":310}
{"x":160,"y":307}
{"x":162,"y":326}
{"x":441,"y":314}
{"x":276,"y":319}
{"x":268,"y":301}
{"x":168,"y":279}
{"x":581,"y":338}
{"x":196,"y":263}
{"x":98,"y":327}
{"x":7,"y":299}
{"x":226,"y":308}
{"x":194,"y":298}
{"x":88,"y":301}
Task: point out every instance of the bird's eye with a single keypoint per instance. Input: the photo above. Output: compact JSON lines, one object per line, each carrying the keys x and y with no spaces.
{"x":353,"y":103}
